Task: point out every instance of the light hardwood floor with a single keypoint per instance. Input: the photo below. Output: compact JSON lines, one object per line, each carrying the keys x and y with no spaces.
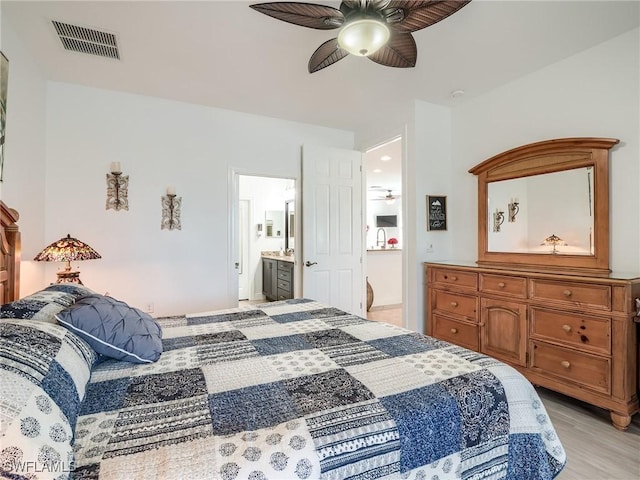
{"x":389,"y":313}
{"x":595,"y":450}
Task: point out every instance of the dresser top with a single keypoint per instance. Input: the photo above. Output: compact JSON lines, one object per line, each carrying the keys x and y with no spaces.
{"x":467,"y":265}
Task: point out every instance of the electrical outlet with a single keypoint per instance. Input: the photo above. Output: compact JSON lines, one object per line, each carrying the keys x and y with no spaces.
{"x":149,"y":307}
{"x":430,"y":248}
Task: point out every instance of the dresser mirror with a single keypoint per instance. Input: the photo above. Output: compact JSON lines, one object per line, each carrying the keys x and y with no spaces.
{"x":546,"y":206}
{"x":541,"y":214}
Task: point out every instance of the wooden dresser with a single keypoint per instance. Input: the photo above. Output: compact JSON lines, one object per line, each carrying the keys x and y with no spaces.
{"x":574,"y":334}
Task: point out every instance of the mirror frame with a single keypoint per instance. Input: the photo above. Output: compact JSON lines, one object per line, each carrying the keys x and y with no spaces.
{"x":540,"y":158}
{"x":288,"y":232}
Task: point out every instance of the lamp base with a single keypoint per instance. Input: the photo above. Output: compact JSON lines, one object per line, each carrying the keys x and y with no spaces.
{"x":69,"y":277}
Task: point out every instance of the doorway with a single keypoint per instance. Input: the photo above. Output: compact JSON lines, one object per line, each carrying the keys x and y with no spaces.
{"x":261,"y":229}
{"x":385,"y":240}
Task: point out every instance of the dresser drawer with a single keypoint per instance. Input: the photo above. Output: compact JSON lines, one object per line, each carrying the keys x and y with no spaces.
{"x":284,"y":294}
{"x":285,"y":266}
{"x":595,"y":296}
{"x":456,"y":304}
{"x":587,"y":370}
{"x":284,"y":285}
{"x":284,"y":275}
{"x":586,"y":333}
{"x":457,"y":278}
{"x":504,"y":285}
{"x":460,"y":333}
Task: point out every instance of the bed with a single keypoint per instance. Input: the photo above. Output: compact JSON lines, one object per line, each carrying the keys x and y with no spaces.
{"x":288,"y":390}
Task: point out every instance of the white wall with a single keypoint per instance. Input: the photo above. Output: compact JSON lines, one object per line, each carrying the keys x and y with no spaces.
{"x":433,"y":174}
{"x":158,"y":143}
{"x":24,"y":166}
{"x":594,"y":93}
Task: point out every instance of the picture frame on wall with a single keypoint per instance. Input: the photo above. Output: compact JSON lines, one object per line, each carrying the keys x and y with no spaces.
{"x":4,"y":80}
{"x":436,"y":212}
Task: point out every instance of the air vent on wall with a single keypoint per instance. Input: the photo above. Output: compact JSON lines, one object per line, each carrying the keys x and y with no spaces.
{"x":87,"y":40}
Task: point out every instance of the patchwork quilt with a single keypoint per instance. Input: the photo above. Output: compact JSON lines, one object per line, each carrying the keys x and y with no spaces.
{"x":298,"y":390}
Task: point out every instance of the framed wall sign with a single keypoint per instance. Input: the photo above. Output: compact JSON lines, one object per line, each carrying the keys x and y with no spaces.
{"x":436,"y":212}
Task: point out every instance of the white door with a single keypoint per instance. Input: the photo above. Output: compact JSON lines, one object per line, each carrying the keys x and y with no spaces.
{"x":243,"y":250}
{"x":332,"y":227}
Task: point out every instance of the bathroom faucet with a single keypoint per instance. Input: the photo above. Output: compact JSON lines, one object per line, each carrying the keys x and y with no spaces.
{"x":381,"y":243}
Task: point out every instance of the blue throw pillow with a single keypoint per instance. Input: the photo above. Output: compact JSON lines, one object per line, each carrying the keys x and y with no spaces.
{"x":114,"y":329}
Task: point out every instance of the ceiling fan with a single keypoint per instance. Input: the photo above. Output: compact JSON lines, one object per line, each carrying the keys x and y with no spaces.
{"x":389,"y":197}
{"x":378,"y":29}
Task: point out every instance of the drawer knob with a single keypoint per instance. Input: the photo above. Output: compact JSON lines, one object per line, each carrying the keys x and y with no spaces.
{"x":454,"y":304}
{"x":566,"y":328}
{"x":501,"y":285}
{"x":567,"y":293}
{"x":454,"y":330}
{"x":565,"y":364}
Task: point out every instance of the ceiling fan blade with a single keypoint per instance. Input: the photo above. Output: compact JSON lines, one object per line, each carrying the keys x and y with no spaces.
{"x":320,"y":17}
{"x":399,"y":52}
{"x":418,"y":14}
{"x":326,"y":54}
{"x":348,"y":6}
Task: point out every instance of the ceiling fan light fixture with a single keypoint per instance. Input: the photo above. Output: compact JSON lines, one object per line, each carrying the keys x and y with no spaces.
{"x":363,"y":37}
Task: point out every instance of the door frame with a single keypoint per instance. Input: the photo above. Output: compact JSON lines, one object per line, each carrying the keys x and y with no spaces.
{"x":404,"y":200}
{"x":233,"y":204}
{"x":246,"y":248}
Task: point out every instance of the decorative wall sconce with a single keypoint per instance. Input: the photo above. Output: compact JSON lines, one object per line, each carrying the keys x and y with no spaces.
{"x":555,"y":241}
{"x":117,"y":188}
{"x":259,"y":229}
{"x":171,"y":210}
{"x":498,"y":220}
{"x":514,"y":208}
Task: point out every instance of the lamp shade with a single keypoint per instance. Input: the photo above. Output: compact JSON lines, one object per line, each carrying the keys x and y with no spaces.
{"x":363,"y":37}
{"x":553,"y":240}
{"x":67,"y":249}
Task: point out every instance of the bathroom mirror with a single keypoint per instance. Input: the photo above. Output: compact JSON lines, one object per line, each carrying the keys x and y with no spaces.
{"x":290,"y":224}
{"x":546,"y":206}
{"x":274,"y":223}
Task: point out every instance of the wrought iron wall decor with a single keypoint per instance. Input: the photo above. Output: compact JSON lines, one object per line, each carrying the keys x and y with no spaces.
{"x":117,"y":188}
{"x":498,"y":220}
{"x":171,"y":210}
{"x":514,"y":208}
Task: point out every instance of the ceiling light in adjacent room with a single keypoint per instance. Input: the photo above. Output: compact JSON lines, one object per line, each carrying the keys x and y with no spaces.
{"x":385,"y":158}
{"x":376,"y":170}
{"x":363,"y":37}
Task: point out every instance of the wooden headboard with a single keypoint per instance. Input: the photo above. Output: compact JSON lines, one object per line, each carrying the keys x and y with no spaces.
{"x":9,"y":255}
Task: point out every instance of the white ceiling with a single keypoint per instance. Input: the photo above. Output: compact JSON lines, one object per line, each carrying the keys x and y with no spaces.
{"x":224,"y":54}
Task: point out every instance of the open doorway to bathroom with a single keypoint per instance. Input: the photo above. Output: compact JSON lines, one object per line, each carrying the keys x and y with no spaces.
{"x":266,"y":226}
{"x":384,"y":237}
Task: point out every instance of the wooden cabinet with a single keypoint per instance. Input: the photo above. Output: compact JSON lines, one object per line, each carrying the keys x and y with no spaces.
{"x":270,"y":278}
{"x":285,"y":280}
{"x":570,"y":333}
{"x":277,"y":279}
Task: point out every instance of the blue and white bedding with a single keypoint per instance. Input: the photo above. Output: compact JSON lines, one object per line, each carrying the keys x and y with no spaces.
{"x":297,"y":390}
